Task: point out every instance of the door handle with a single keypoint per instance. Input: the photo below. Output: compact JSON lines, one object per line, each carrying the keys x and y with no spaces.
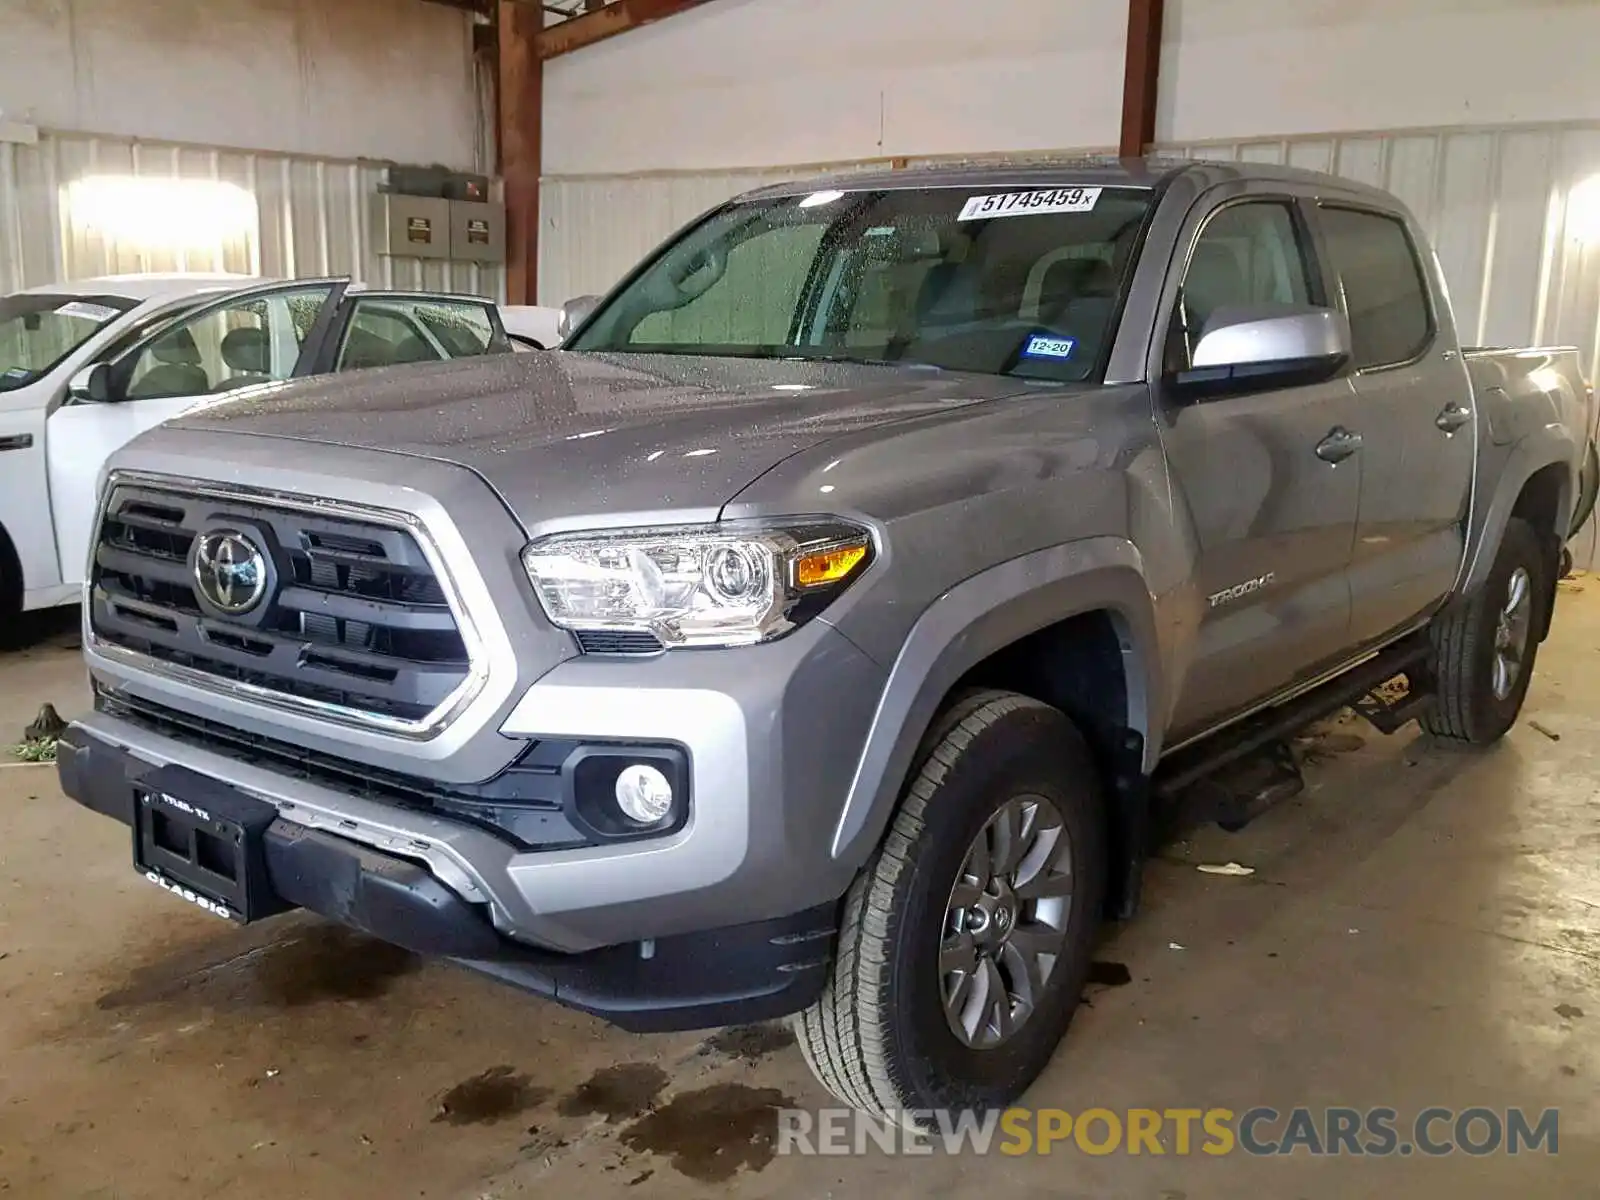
{"x":1339,"y":445}
{"x":17,"y":441}
{"x":1452,"y":417}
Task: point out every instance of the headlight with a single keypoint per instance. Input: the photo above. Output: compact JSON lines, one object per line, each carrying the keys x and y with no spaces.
{"x":707,"y":585}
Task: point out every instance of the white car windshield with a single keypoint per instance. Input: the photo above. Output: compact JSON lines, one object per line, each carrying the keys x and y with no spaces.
{"x":1003,"y":281}
{"x":39,"y":329}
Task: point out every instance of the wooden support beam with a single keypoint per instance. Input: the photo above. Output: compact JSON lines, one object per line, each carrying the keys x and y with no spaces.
{"x":1141,"y":76}
{"x":520,"y":95}
{"x":606,"y":21}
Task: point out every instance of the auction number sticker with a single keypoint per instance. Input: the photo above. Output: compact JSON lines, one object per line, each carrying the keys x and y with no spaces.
{"x":98,"y":313}
{"x":1022,"y":204}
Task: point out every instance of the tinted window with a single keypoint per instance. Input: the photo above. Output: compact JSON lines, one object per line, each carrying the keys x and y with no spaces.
{"x":987,"y":279}
{"x":1383,"y":287}
{"x":1248,"y":256}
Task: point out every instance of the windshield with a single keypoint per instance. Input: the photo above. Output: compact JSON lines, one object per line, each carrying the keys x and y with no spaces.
{"x":1001,"y":282}
{"x":37,"y":331}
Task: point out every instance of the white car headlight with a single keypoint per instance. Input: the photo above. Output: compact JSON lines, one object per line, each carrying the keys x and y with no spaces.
{"x":705,"y":585}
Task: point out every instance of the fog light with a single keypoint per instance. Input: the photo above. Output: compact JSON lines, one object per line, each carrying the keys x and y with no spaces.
{"x":644,"y":794}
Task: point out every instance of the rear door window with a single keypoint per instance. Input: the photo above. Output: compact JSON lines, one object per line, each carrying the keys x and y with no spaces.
{"x":386,"y":331}
{"x":1385,"y":294}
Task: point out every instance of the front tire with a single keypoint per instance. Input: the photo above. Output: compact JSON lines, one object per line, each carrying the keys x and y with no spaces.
{"x":1485,"y":648}
{"x":967,"y":939}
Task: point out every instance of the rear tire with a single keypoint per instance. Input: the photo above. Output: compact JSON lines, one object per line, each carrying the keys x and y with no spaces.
{"x":1485,"y":647}
{"x":978,"y":912}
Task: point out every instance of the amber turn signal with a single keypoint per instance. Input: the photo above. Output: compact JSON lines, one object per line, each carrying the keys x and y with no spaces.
{"x":828,"y":566}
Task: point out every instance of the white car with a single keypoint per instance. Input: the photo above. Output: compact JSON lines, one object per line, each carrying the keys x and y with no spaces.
{"x":532,"y":326}
{"x":87,"y":366}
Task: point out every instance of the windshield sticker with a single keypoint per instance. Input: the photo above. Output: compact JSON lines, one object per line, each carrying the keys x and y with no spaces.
{"x":98,"y":313}
{"x":1043,"y":346}
{"x":16,"y":373}
{"x":1024,"y":204}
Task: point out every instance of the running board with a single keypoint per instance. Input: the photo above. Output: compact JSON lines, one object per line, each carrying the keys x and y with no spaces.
{"x":1354,"y":688}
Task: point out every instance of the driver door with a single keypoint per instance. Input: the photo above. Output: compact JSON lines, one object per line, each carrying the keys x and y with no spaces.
{"x":246,"y":338}
{"x":1270,"y":518}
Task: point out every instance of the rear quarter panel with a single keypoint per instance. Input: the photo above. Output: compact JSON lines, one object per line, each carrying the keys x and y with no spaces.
{"x":1534,"y":412}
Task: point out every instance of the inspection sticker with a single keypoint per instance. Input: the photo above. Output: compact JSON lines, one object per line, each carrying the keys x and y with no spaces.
{"x":1043,"y":346}
{"x":99,"y":313}
{"x":1022,"y":204}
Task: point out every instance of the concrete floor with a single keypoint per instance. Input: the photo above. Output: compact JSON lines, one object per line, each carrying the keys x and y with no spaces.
{"x":1423,"y":928}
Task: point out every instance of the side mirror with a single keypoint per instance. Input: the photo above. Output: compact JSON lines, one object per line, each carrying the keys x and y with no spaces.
{"x":575,"y":313}
{"x":92,"y":385}
{"x":1260,"y":346}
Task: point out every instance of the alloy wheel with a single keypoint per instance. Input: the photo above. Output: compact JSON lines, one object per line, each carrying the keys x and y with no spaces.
{"x":1006,"y":922}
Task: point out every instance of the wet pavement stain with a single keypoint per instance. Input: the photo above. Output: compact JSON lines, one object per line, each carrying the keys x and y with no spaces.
{"x":332,"y":963}
{"x":491,"y":1096}
{"x":713,"y":1133}
{"x":1109,"y":974}
{"x":751,"y":1043}
{"x":319,"y":963}
{"x":617,"y":1093}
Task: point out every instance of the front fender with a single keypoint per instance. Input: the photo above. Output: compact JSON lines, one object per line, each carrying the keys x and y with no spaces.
{"x":971,"y":621}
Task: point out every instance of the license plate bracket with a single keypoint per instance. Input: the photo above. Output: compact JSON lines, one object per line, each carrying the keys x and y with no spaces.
{"x":204,"y":842}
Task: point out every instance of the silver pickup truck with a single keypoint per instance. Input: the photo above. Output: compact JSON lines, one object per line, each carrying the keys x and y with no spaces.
{"x":830,"y":626}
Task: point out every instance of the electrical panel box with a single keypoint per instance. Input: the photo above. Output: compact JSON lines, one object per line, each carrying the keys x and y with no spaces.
{"x":477,"y":232}
{"x":411,"y":226}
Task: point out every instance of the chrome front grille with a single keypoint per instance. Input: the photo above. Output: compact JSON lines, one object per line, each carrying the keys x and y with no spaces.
{"x":355,"y":620}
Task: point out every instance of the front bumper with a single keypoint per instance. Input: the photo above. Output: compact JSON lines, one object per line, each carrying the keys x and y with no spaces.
{"x":729,"y":975}
{"x":772,"y":736}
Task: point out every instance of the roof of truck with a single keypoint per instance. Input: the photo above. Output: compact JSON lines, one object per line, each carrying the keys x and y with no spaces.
{"x":1052,"y":171}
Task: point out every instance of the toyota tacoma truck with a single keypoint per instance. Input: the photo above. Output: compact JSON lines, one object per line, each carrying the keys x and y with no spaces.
{"x":827,"y":630}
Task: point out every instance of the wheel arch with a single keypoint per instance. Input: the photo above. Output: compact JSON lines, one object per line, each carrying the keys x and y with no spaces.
{"x":12,"y":585}
{"x":1088,"y":600}
{"x":1537,"y":488}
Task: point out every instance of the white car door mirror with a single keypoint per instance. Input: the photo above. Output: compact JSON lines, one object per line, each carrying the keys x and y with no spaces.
{"x":92,"y":385}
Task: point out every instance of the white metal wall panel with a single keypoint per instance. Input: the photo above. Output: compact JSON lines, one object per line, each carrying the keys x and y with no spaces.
{"x":389,"y":79}
{"x":312,"y":217}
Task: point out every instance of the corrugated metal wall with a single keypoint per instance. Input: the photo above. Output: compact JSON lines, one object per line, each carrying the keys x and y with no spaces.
{"x":312,"y":217}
